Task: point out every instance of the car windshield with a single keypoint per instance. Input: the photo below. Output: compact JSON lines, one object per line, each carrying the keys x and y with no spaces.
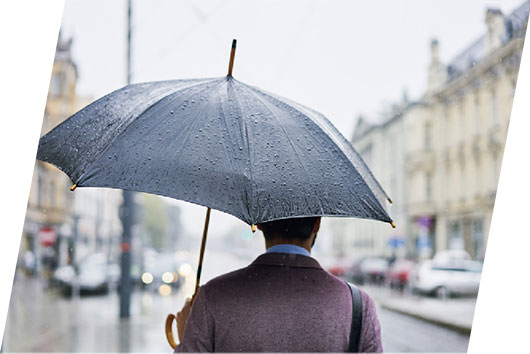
{"x":160,"y":266}
{"x":92,"y":268}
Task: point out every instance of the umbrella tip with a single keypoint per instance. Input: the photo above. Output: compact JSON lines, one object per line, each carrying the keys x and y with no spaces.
{"x":390,"y":200}
{"x":72,"y":188}
{"x":253,"y":228}
{"x":232,"y":55}
{"x":393,"y":224}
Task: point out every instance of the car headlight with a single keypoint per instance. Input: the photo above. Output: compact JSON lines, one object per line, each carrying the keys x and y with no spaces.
{"x":185,"y":270}
{"x":147,"y":278}
{"x":167,"y":277}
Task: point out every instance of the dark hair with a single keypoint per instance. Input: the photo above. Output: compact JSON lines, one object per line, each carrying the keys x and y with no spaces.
{"x":294,"y":229}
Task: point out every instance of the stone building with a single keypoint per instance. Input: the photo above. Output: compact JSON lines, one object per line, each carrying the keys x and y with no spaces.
{"x":57,"y":219}
{"x":439,"y":158}
{"x":454,"y":150}
{"x":381,"y":146}
{"x":48,"y":214}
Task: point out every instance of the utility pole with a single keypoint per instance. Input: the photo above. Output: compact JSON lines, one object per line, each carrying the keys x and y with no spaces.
{"x":127,"y":210}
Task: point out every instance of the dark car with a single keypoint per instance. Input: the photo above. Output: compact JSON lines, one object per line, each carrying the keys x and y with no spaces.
{"x":161,"y":274}
{"x":369,"y":270}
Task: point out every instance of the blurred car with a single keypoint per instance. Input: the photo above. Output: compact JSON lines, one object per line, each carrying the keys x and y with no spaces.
{"x":93,"y":275}
{"x":340,"y":268}
{"x":374,"y":269}
{"x":399,"y":273}
{"x":355,"y":273}
{"x":161,"y":274}
{"x":369,"y":269}
{"x":451,"y":256}
{"x":447,"y":278}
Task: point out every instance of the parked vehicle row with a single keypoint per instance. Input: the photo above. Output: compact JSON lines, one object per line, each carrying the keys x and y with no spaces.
{"x":95,"y":275}
{"x":162,"y":272}
{"x":448,"y":273}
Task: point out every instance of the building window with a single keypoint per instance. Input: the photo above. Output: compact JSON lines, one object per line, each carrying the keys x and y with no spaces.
{"x":478,"y":238}
{"x":462,"y":182}
{"x":52,"y":194}
{"x":40,"y":188}
{"x":57,"y":84}
{"x":456,"y":241}
{"x":446,"y":126}
{"x":427,"y":134}
{"x":428,"y":186}
{"x":494,"y":108}
{"x":495,"y":170}
{"x":477,"y":114}
{"x":478,"y":179}
{"x":462,"y":118}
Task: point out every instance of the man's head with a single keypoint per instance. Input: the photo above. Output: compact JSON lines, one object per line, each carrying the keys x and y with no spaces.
{"x":298,"y":231}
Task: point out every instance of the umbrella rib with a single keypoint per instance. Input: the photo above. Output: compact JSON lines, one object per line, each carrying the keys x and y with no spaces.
{"x":334,"y":130}
{"x":195,"y":121}
{"x":290,"y":142}
{"x":249,"y":153}
{"x":383,"y":211}
{"x":223,"y":116}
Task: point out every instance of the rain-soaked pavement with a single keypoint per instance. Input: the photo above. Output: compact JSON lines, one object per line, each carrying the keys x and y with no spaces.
{"x":402,"y":333}
{"x":40,"y":320}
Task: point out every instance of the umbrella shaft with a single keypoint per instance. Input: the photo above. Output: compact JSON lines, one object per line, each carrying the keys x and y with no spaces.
{"x":203,"y":244}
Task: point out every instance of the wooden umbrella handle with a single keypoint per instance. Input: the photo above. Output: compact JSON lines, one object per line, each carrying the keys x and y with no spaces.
{"x":169,"y":331}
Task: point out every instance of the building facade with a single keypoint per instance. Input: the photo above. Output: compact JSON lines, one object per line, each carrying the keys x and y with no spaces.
{"x":439,"y":158}
{"x":382,"y":146}
{"x":455,"y":149}
{"x":49,"y":212}
{"x":59,"y":222}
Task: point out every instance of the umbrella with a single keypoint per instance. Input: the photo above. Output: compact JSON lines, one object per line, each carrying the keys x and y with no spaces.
{"x":218,"y":143}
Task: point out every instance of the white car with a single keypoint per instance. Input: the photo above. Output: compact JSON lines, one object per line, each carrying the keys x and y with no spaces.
{"x":455,"y":277}
{"x":451,"y":256}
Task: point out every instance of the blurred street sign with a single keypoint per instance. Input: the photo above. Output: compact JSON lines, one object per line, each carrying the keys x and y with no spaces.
{"x":47,"y":236}
{"x":395,"y":242}
{"x":424,"y":221}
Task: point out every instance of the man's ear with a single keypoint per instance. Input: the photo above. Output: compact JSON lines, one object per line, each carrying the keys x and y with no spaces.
{"x":317,"y":225}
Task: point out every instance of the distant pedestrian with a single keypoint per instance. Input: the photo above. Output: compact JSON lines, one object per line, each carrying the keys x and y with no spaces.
{"x":29,"y":263}
{"x":283,"y":301}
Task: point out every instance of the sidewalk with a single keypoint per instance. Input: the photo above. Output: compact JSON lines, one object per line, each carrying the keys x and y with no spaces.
{"x":456,"y":314}
{"x":40,"y":320}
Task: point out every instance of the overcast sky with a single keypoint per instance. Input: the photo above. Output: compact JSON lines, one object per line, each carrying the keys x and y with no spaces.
{"x":342,"y":58}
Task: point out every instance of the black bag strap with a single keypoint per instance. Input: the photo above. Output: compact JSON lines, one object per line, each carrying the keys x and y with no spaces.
{"x":357,"y":318}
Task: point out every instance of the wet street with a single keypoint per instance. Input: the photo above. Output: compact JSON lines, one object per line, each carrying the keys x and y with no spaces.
{"x":403,"y":334}
{"x":44,"y":321}
{"x":41,"y":320}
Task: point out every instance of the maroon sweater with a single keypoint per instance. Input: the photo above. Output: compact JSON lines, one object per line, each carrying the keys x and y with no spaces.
{"x":279,"y":303}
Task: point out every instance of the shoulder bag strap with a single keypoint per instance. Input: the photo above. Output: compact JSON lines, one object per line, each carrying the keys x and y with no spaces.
{"x":357,"y":319}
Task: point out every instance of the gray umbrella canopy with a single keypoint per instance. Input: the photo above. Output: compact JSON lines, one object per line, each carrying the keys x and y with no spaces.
{"x":218,"y":143}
